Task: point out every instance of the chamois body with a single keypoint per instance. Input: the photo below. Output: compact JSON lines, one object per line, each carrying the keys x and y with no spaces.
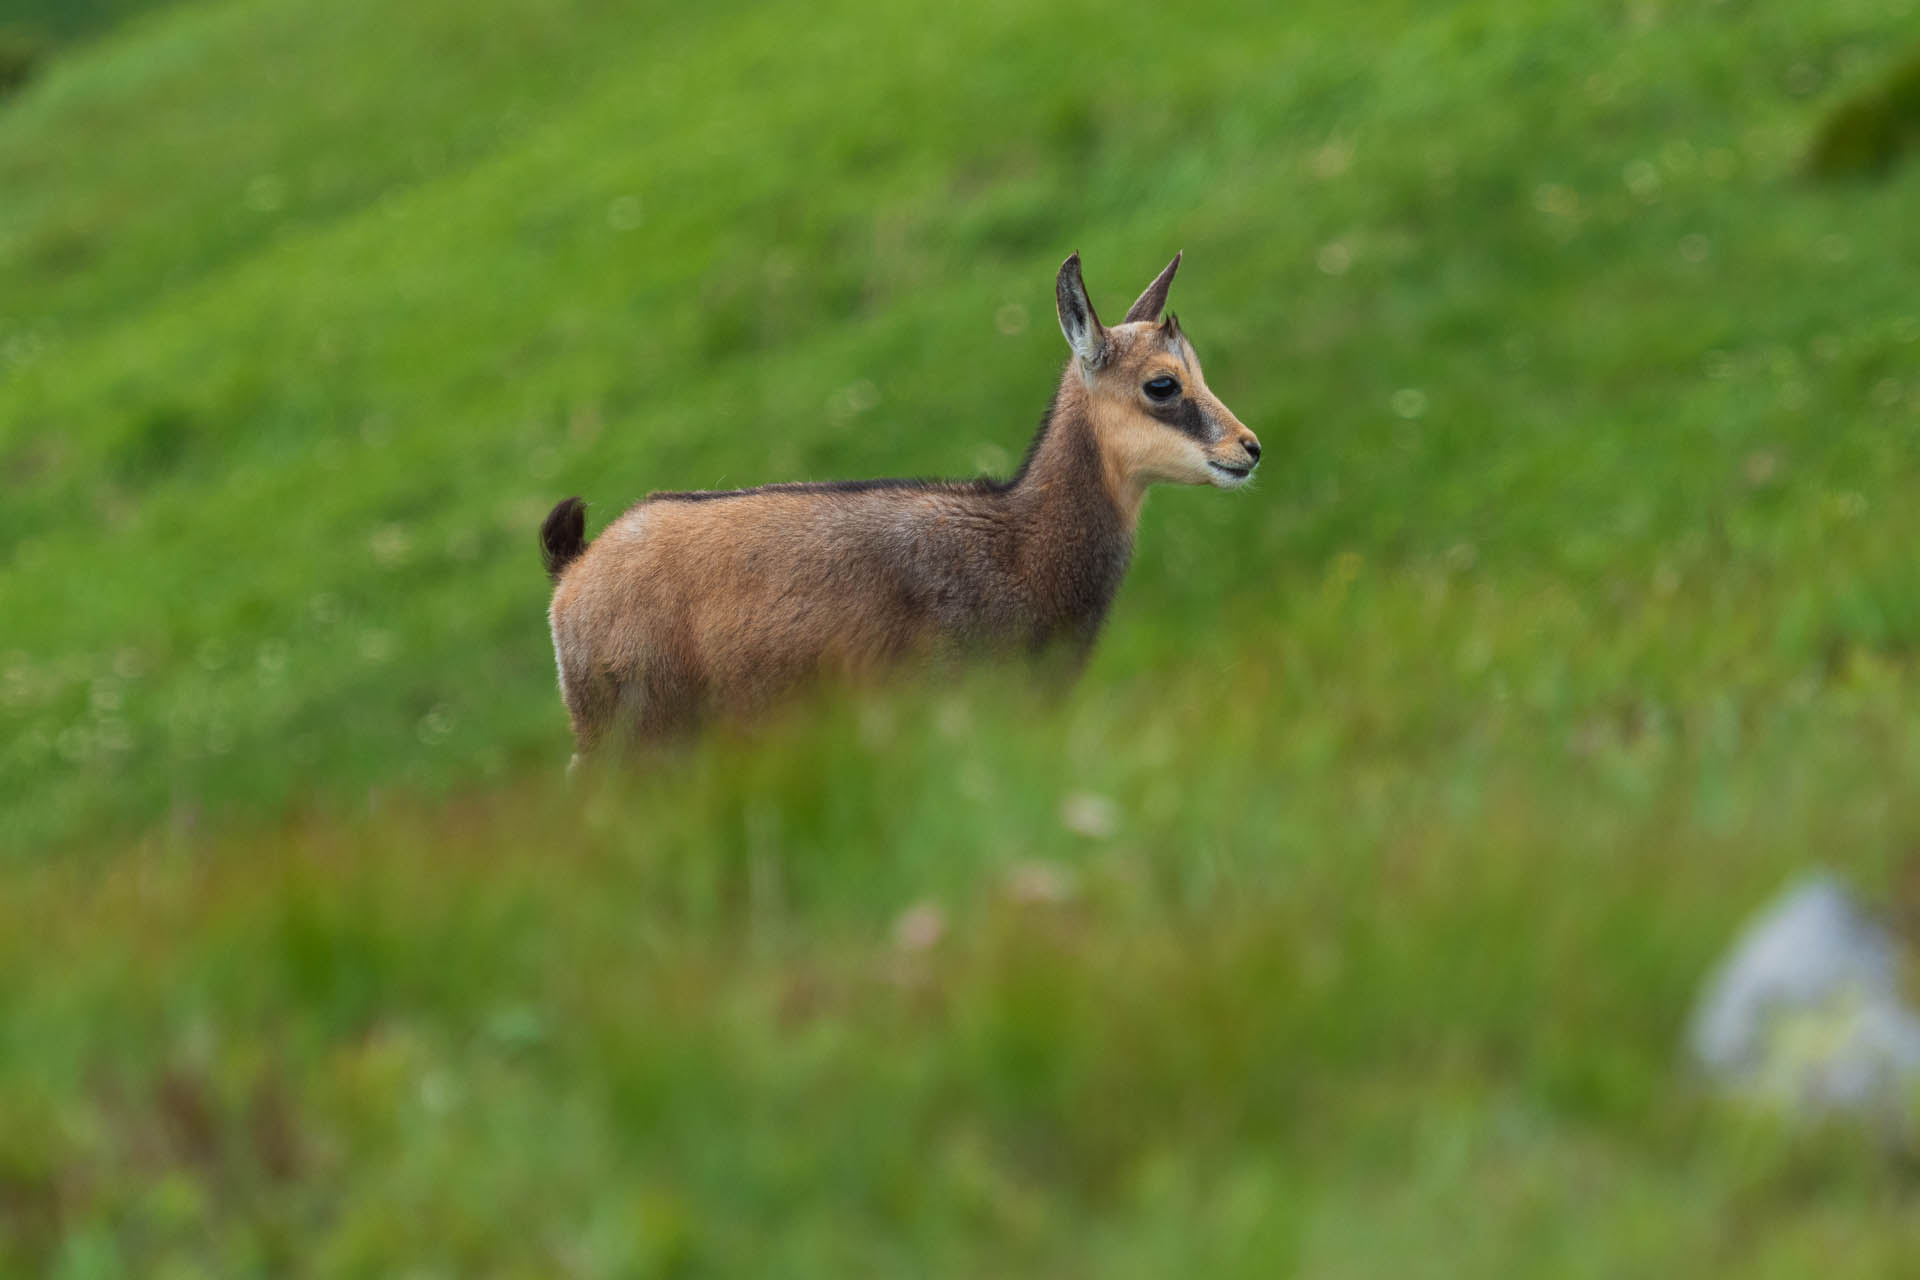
{"x":699,"y":603}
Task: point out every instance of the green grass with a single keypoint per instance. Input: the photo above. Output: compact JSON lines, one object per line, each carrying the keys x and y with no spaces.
{"x":1867,"y":134}
{"x":1342,"y":920}
{"x":51,"y":23}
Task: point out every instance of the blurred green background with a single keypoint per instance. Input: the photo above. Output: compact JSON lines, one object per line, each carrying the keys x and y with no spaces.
{"x":1341,"y":922}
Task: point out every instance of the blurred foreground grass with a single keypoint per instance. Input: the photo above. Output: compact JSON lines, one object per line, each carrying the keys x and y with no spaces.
{"x":1273,"y":1003}
{"x":1341,"y":920}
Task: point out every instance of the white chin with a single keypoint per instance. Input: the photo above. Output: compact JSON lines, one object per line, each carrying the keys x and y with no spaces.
{"x":1222,"y":478}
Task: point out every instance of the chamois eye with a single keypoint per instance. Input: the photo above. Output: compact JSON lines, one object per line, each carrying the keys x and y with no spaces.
{"x":1162,"y":388}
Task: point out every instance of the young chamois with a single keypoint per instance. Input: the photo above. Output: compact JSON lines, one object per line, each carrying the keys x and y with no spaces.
{"x":712,"y":602}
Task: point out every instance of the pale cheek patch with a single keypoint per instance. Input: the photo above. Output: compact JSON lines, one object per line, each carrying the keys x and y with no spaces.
{"x":1153,"y":452}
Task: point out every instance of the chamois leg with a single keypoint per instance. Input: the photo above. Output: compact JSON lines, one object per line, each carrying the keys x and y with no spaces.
{"x":1055,"y":664}
{"x":591,"y":707}
{"x":657,"y":707}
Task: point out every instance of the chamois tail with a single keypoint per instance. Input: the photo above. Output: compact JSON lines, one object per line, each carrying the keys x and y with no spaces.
{"x":563,"y":536}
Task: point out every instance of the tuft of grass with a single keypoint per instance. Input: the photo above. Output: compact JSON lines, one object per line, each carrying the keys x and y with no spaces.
{"x":69,"y":22}
{"x":21,"y":53}
{"x":1868,"y":133}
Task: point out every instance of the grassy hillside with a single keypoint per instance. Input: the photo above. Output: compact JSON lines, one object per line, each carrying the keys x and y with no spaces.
{"x":1342,"y":919}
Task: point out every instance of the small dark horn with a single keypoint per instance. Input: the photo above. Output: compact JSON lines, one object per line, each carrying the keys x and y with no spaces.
{"x":1147,"y":305}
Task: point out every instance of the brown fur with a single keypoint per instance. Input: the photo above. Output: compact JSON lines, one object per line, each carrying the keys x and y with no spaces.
{"x":692,"y":604}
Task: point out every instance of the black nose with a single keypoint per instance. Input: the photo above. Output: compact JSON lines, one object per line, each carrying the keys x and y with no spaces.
{"x":1253,"y":449}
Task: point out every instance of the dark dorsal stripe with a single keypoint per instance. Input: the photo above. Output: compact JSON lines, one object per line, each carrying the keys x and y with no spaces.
{"x":802,"y":488}
{"x":983,"y":484}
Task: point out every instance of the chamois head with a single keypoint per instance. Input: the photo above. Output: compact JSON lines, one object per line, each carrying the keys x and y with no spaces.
{"x":1151,"y":410}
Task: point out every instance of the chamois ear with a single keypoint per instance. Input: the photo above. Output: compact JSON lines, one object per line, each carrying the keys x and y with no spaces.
{"x":1085,"y":334}
{"x":1147,"y":305}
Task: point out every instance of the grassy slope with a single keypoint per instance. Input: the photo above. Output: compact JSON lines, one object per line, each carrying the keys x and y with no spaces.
{"x":48,"y":23}
{"x":1442,"y":762}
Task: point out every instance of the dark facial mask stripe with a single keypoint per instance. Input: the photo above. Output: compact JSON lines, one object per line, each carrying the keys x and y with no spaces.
{"x":1185,"y":416}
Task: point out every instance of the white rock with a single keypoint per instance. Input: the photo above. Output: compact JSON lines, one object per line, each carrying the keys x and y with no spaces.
{"x":1806,"y":1011}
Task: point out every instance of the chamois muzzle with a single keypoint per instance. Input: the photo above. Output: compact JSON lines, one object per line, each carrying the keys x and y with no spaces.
{"x":1229,"y":473}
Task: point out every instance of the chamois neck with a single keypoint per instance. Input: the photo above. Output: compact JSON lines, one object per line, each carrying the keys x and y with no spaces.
{"x":1065,"y":473}
{"x":1071,"y":538}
